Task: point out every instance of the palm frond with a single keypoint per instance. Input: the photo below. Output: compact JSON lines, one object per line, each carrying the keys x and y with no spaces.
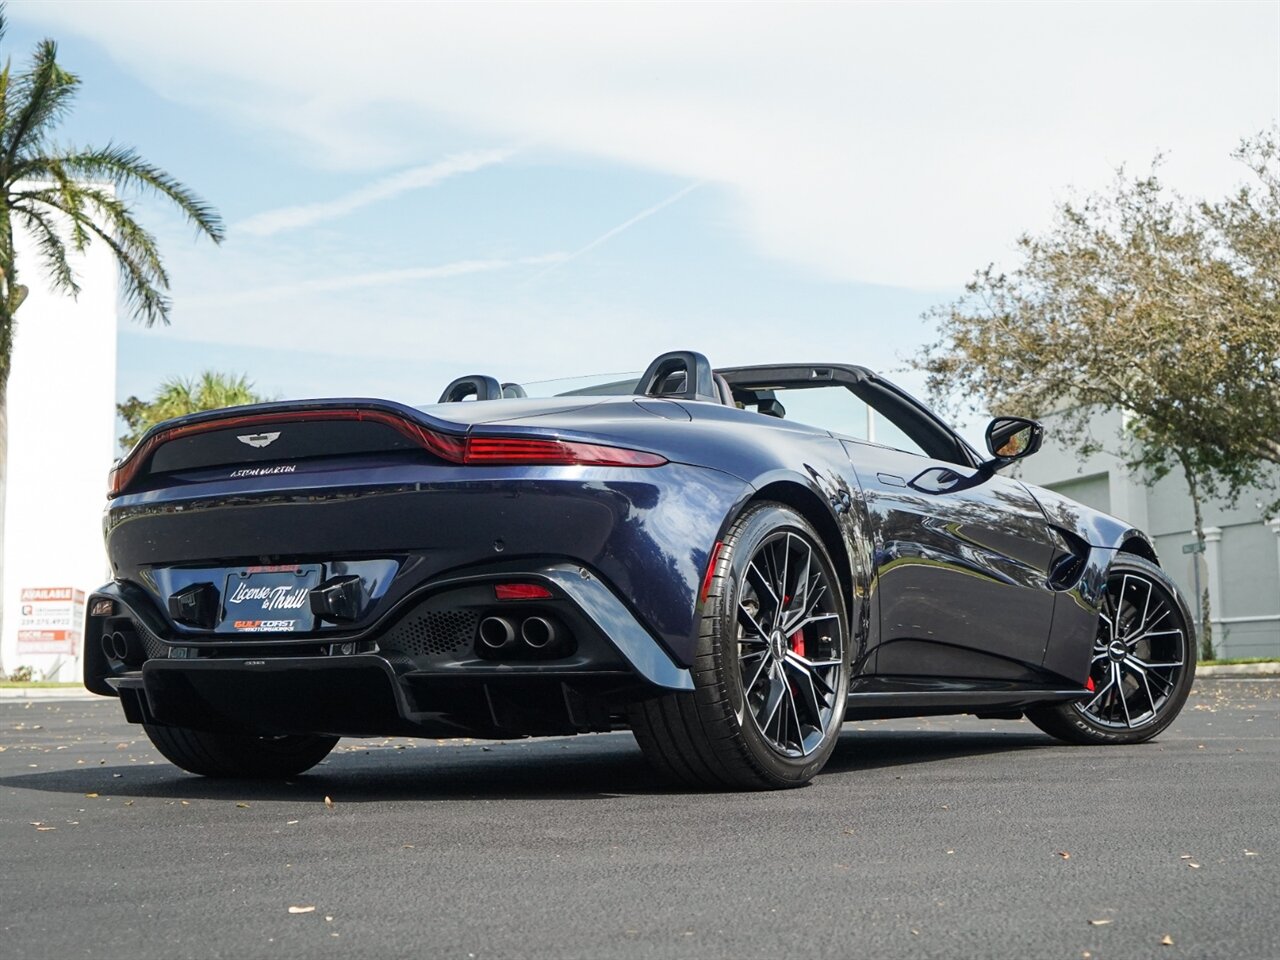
{"x":53,"y":251}
{"x":142,"y":275}
{"x":126,"y":169}
{"x":91,"y":201}
{"x":45,"y":92}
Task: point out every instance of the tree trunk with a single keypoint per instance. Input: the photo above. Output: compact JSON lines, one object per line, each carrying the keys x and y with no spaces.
{"x":1206,"y":625}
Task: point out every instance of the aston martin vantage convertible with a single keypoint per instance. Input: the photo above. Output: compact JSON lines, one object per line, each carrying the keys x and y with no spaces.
{"x":729,"y":562}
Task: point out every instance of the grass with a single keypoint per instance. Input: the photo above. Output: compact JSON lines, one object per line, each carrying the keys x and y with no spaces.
{"x":30,"y":684}
{"x":1236,"y":660}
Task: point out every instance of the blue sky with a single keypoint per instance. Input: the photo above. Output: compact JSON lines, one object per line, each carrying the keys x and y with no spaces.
{"x":759,"y":183}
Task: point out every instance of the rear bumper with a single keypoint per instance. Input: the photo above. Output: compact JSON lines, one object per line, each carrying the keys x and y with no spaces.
{"x":646,"y":532}
{"x":419,"y":671}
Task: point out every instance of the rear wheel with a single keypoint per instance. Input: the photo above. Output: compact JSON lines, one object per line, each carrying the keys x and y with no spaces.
{"x":238,"y":756}
{"x":1142,"y":665}
{"x":772,"y":669}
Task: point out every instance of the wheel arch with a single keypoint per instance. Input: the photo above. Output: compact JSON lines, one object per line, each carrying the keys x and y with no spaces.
{"x":812,"y":507}
{"x":1138,"y":545}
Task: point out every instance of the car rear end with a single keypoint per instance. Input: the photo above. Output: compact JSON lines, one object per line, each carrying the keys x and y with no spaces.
{"x":366,"y":568}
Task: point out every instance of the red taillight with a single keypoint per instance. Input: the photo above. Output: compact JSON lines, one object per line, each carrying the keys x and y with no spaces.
{"x":520,"y":591}
{"x":461,"y":450}
{"x":498,"y":450}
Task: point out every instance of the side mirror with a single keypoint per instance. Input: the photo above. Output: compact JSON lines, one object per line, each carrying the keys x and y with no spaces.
{"x":1012,"y":438}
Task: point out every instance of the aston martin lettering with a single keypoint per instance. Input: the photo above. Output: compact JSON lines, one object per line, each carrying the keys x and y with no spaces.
{"x":273,"y":598}
{"x":263,"y":471}
{"x":259,"y":439}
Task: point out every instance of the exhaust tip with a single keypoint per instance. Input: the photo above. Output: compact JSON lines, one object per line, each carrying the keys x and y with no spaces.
{"x":538,"y":632}
{"x":497,"y":632}
{"x":117,"y":645}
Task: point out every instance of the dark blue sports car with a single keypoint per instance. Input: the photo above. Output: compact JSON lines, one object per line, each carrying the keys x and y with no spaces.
{"x":731,"y":563}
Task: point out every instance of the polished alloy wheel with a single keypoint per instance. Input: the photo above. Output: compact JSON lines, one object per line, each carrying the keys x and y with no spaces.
{"x":1139,"y":655}
{"x":790,"y":644}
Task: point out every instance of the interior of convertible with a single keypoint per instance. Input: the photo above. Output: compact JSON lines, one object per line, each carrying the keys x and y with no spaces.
{"x":849,"y":401}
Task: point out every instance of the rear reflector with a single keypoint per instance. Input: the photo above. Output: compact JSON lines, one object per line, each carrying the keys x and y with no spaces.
{"x":711,"y":571}
{"x":520,"y":591}
{"x":494,"y":451}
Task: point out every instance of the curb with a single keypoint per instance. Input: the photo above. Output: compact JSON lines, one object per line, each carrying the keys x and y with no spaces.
{"x":1270,"y":669}
{"x":1204,"y":672}
{"x":47,"y":693}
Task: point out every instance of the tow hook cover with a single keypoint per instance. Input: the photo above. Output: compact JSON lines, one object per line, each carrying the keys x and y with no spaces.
{"x":196,"y":605}
{"x":338,"y":599}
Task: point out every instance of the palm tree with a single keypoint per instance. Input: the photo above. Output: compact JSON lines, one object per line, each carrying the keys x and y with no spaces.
{"x":179,"y":396}
{"x":66,"y":199}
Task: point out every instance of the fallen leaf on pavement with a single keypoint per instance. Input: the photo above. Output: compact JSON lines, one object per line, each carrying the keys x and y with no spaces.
{"x":1099,"y":923}
{"x":328,"y":802}
{"x":243,"y":806}
{"x":91,"y":796}
{"x":1063,"y":854}
{"x":1166,"y":941}
{"x":302,"y":909}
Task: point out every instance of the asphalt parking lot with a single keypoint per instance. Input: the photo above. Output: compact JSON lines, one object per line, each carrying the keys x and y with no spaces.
{"x":949,"y":837}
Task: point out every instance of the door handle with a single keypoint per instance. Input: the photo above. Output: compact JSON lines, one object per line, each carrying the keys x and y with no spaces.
{"x":936,"y":480}
{"x":891,"y":480}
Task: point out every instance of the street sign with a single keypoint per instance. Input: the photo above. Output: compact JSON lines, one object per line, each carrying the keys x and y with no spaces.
{"x":1195,"y":547}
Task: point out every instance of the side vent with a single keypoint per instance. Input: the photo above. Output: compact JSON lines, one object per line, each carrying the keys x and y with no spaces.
{"x":1069,"y":563}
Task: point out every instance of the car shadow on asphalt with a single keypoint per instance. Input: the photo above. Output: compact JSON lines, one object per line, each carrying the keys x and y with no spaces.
{"x":584,"y":768}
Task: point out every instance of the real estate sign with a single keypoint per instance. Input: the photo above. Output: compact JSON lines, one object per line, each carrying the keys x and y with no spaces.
{"x":50,"y":620}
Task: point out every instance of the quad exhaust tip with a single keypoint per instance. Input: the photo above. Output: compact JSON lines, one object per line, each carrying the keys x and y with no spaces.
{"x":531,"y":636}
{"x":497,"y":633}
{"x":538,"y":632}
{"x":118,"y":645}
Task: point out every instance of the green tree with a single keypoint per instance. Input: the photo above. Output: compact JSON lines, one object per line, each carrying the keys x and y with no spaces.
{"x":67,"y":198}
{"x":1138,"y":300}
{"x":177,"y":397}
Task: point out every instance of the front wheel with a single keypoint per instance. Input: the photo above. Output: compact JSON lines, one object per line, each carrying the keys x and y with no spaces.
{"x":1142,"y":664}
{"x":238,"y":756}
{"x":771,"y":673}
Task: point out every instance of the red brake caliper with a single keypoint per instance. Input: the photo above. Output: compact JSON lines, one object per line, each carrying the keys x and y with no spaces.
{"x":797,"y":638}
{"x":1088,"y":684}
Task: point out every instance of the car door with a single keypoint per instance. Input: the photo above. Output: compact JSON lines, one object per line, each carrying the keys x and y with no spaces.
{"x":962,"y":555}
{"x":960,"y":571}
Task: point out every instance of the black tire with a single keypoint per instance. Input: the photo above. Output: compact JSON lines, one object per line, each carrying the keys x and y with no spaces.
{"x":238,"y":756}
{"x":711,"y":737}
{"x":1156,"y":696}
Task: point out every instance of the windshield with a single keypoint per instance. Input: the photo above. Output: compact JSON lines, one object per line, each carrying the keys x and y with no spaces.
{"x":592,"y":385}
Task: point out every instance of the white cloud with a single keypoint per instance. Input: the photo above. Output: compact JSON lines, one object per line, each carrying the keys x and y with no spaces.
{"x":895,"y":143}
{"x":382,"y":279}
{"x":627,"y":224}
{"x":271,"y":222}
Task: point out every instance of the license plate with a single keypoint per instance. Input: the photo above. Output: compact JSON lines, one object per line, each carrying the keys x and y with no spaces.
{"x":269,"y":600}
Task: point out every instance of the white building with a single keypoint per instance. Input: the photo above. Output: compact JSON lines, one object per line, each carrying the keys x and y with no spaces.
{"x":1240,"y":567}
{"x":61,"y":423}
